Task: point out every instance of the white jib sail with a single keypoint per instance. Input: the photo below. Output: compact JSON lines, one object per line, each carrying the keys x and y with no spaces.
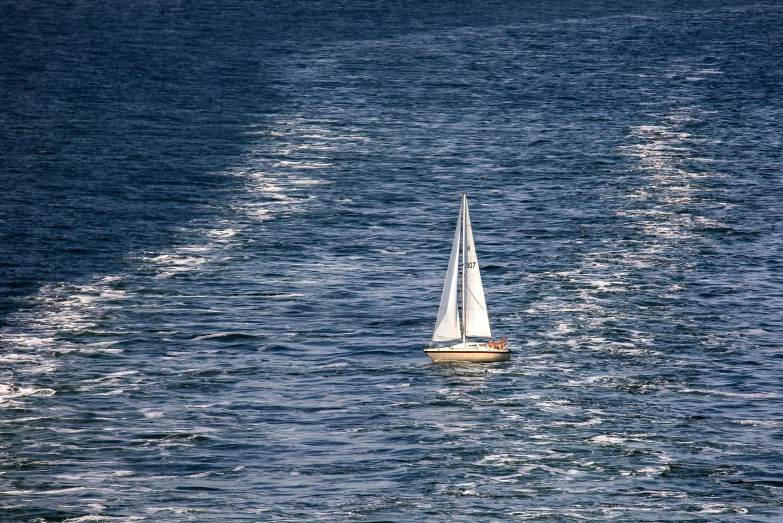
{"x":476,"y":318}
{"x":447,"y":324}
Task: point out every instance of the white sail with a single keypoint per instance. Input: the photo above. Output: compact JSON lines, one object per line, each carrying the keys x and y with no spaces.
{"x":447,"y":324}
{"x":475,"y":314}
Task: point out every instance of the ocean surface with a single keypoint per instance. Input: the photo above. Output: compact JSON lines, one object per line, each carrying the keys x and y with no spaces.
{"x":224,"y":228}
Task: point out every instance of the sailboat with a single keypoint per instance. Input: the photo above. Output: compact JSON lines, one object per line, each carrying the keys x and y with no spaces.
{"x":449,"y":341}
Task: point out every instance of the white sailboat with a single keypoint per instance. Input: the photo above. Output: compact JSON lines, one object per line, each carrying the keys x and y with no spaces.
{"x":446,"y":344}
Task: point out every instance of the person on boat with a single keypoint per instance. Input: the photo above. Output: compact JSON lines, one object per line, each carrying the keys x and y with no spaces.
{"x":503,"y":343}
{"x":491,"y":344}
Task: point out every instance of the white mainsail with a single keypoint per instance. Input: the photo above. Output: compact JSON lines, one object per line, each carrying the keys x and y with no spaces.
{"x":447,"y":324}
{"x":475,"y":307}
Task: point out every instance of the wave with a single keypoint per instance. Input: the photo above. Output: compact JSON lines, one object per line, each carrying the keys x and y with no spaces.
{"x":230,"y":336}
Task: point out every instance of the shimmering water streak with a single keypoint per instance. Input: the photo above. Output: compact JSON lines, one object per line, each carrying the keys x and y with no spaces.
{"x":268,"y":367}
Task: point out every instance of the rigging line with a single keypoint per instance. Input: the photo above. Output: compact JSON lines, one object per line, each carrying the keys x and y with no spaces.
{"x":474,"y":297}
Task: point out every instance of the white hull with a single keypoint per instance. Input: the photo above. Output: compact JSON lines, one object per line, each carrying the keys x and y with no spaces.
{"x":473,"y":352}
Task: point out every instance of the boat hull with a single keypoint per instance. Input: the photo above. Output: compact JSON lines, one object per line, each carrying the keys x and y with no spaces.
{"x":470,"y":352}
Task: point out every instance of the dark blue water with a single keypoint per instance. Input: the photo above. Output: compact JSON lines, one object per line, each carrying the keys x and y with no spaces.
{"x":224,"y":229}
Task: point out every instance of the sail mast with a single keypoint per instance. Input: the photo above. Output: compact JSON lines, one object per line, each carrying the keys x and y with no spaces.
{"x":463,"y":213}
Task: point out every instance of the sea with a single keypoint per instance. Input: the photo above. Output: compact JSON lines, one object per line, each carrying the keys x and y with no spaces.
{"x":225,"y":226}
